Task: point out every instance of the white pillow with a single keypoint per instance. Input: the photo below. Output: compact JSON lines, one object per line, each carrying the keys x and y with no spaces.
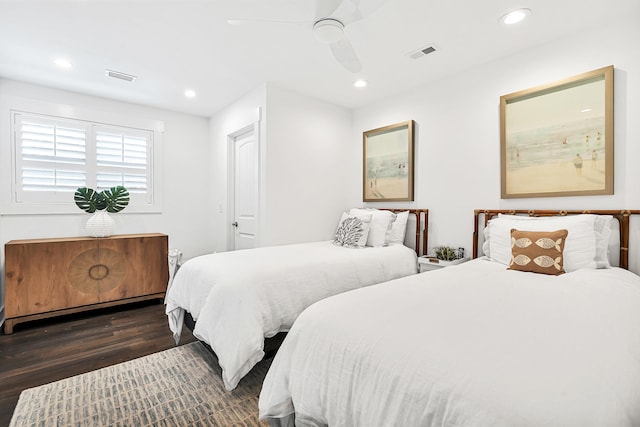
{"x":603,"y":234}
{"x":398,"y":229}
{"x":486,"y":246}
{"x":580,"y":245}
{"x":380,"y":225}
{"x":601,"y":228}
{"x":352,"y":230}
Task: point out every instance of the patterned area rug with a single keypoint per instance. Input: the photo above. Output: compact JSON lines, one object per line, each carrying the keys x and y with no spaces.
{"x":181,"y":386}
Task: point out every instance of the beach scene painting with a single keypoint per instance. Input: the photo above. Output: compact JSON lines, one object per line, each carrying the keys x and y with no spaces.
{"x":557,"y":140}
{"x":388,"y":163}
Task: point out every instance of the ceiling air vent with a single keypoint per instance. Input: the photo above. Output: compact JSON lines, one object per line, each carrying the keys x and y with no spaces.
{"x":422,"y":52}
{"x":119,"y":75}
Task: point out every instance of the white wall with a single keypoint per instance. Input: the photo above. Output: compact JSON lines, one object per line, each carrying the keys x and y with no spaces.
{"x":457,"y":130}
{"x":304,"y":157}
{"x":185,"y":216}
{"x":308,"y":163}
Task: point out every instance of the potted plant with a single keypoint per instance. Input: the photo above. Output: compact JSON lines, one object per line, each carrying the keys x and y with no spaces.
{"x":100,"y":204}
{"x":446,"y":253}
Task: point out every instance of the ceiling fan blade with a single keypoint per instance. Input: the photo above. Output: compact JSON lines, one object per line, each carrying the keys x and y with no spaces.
{"x":246,"y":21}
{"x":351,"y":11}
{"x":345,"y":55}
{"x":326,"y":8}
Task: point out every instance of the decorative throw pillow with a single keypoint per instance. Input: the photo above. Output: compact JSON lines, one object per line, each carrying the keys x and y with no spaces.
{"x":538,"y":251}
{"x":352,"y":230}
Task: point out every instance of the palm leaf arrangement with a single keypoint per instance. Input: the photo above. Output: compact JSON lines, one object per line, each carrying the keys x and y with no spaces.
{"x":112,"y":200}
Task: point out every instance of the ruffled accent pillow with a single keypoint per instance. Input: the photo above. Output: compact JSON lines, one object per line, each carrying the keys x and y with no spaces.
{"x":538,"y":251}
{"x":380,"y":228}
{"x":580,"y":247}
{"x":398,"y":228}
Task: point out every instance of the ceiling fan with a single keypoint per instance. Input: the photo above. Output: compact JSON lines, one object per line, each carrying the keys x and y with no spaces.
{"x":330,"y":19}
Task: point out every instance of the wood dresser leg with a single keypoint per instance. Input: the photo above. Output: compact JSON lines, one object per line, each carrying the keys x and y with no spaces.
{"x":8,"y":326}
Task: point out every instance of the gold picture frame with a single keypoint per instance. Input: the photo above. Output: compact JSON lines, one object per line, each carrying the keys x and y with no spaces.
{"x":557,"y":139}
{"x":388,"y":163}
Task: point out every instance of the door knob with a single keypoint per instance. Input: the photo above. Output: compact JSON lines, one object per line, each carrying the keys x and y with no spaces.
{"x":235,"y":223}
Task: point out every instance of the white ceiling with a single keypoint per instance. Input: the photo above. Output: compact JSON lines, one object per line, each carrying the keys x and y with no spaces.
{"x":172,"y":45}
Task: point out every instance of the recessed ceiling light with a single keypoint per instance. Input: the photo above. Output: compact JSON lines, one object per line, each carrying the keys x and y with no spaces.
{"x":515,"y":16}
{"x":360,"y":83}
{"x":62,"y":63}
{"x":190,"y":93}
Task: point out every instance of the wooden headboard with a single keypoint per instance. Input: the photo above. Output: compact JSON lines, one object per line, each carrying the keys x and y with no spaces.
{"x":420,"y":234}
{"x":622,"y":216}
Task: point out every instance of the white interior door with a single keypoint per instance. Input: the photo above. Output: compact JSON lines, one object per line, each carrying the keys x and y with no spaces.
{"x":245,"y":190}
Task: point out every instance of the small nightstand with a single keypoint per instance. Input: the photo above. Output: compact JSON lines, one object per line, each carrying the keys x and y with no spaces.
{"x":430,"y":263}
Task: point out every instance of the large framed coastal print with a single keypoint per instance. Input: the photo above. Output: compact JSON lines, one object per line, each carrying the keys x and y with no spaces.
{"x":557,"y":139}
{"x":388,"y":163}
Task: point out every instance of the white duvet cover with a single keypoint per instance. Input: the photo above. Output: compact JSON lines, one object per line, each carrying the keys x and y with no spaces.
{"x":238,"y":298}
{"x":470,"y":345}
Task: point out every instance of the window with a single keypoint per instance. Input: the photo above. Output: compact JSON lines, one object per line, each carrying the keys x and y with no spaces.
{"x":122,"y":158}
{"x":53,"y":156}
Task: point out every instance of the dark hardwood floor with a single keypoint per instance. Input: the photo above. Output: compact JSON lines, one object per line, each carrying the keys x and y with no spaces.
{"x":44,"y":351}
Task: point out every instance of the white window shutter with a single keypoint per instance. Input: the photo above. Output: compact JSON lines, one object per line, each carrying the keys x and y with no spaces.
{"x":51,"y":158}
{"x":123,"y":157}
{"x":55,"y":156}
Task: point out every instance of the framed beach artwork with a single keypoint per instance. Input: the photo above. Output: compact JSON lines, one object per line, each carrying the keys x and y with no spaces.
{"x":557,"y":139}
{"x":388,"y":163}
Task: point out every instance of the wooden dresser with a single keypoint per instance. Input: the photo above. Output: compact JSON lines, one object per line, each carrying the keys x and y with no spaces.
{"x":51,"y":277}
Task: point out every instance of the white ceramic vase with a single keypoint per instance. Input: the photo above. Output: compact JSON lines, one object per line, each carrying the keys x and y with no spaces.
{"x":100,"y":224}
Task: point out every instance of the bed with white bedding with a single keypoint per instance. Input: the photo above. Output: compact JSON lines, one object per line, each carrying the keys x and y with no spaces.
{"x":475,"y":344}
{"x":239,"y":298}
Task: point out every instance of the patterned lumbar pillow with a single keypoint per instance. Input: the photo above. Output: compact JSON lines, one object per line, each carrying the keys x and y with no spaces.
{"x":352,"y":230}
{"x":538,"y":251}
